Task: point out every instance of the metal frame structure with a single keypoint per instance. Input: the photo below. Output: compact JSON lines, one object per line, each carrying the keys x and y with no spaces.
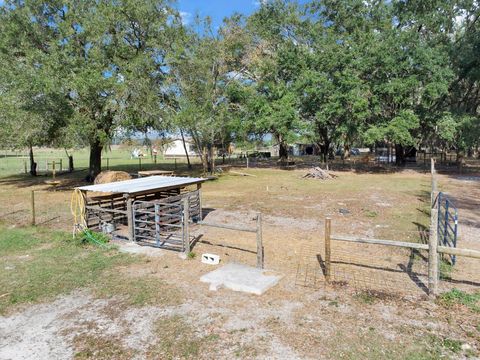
{"x":447,"y":223}
{"x":113,"y":202}
{"x":164,"y":223}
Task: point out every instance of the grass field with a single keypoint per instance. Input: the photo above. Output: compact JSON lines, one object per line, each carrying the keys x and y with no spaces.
{"x":13,"y":162}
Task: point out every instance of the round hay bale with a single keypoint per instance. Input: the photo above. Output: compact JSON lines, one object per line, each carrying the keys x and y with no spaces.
{"x":111,"y":176}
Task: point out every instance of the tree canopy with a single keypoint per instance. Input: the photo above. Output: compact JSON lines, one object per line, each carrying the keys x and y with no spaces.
{"x":338,"y":73}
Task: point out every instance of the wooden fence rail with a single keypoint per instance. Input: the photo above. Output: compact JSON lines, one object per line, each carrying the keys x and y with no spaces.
{"x":257,"y":230}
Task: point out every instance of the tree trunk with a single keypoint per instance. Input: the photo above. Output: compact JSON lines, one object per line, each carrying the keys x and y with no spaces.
{"x":186,"y":151}
{"x":210,"y":159}
{"x":95,"y":165}
{"x":346,"y":152}
{"x":33,"y":164}
{"x":70,"y":163}
{"x":204,"y":160}
{"x":399,"y":154}
{"x":324,"y":149}
{"x":283,"y":151}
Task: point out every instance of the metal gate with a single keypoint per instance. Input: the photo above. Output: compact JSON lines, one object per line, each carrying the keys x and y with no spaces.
{"x":164,"y":222}
{"x":447,"y":223}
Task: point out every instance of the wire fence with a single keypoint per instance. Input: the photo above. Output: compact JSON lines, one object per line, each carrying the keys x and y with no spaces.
{"x":50,"y":209}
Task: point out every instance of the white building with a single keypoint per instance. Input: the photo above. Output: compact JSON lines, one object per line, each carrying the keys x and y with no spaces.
{"x":175,"y":148}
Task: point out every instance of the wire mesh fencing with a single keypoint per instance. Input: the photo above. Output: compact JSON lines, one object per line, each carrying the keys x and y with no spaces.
{"x":363,"y":267}
{"x":48,"y":208}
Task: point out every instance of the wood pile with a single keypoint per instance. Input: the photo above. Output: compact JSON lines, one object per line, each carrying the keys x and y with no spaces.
{"x":318,"y":173}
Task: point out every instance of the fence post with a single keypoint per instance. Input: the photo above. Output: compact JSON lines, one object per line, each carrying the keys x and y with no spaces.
{"x":186,"y":217}
{"x":175,"y":163}
{"x":328,"y":229}
{"x":25,"y":165}
{"x":53,"y":169}
{"x":32,"y":197}
{"x":108,"y":163}
{"x":260,"y":258}
{"x":61,"y":165}
{"x":433,"y":254}
{"x":434,"y":181}
{"x":139,"y":163}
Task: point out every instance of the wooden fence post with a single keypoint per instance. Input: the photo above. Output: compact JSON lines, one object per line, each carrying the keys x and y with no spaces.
{"x":25,"y":165}
{"x":434,"y":182}
{"x":186,"y":217}
{"x":33,"y":206}
{"x":328,"y":229}
{"x":139,"y":163}
{"x":433,"y":254}
{"x":260,"y":258}
{"x":53,"y":169}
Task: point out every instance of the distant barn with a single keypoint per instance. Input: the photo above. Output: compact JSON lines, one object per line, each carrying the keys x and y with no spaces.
{"x":176,"y":149}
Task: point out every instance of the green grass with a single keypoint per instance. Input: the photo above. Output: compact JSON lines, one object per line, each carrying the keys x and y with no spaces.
{"x":459,"y":297}
{"x":178,"y":340}
{"x":39,"y":265}
{"x":13,"y":162}
{"x":373,"y":346}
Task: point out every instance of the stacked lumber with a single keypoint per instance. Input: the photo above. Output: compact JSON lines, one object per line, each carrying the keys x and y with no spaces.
{"x":318,"y":173}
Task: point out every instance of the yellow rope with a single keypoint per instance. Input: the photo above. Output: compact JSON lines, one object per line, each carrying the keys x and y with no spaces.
{"x":77,"y":208}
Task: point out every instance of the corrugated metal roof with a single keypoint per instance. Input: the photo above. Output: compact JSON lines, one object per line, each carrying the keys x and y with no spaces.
{"x":143,"y":184}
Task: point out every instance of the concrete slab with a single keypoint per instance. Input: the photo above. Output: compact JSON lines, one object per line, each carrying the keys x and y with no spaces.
{"x":133,"y":248}
{"x":239,"y":277}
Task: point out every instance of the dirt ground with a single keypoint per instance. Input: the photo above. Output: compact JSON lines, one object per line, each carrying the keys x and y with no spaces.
{"x":376,"y":308}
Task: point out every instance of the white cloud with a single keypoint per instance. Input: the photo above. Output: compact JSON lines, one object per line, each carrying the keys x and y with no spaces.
{"x":186,"y":17}
{"x":258,"y":3}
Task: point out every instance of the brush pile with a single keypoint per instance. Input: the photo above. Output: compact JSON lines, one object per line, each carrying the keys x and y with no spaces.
{"x":318,"y":173}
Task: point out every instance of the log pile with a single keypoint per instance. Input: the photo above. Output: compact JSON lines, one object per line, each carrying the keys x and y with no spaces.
{"x":318,"y":173}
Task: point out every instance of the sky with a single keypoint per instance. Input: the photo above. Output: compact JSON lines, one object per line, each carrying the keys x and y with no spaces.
{"x":216,"y":9}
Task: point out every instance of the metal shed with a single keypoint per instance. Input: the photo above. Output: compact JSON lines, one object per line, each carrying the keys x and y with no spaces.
{"x":150,"y":209}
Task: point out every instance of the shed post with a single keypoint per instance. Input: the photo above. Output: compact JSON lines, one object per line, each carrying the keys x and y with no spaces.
{"x":199,"y":189}
{"x":130,"y":219}
{"x":186,"y":216}
{"x":328,"y":251}
{"x":433,"y":254}
{"x":260,"y":258}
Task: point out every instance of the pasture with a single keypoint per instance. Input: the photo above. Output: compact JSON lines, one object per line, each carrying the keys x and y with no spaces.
{"x":105,"y":304}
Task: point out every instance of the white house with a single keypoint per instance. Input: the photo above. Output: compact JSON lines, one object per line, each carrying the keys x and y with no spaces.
{"x":175,"y":148}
